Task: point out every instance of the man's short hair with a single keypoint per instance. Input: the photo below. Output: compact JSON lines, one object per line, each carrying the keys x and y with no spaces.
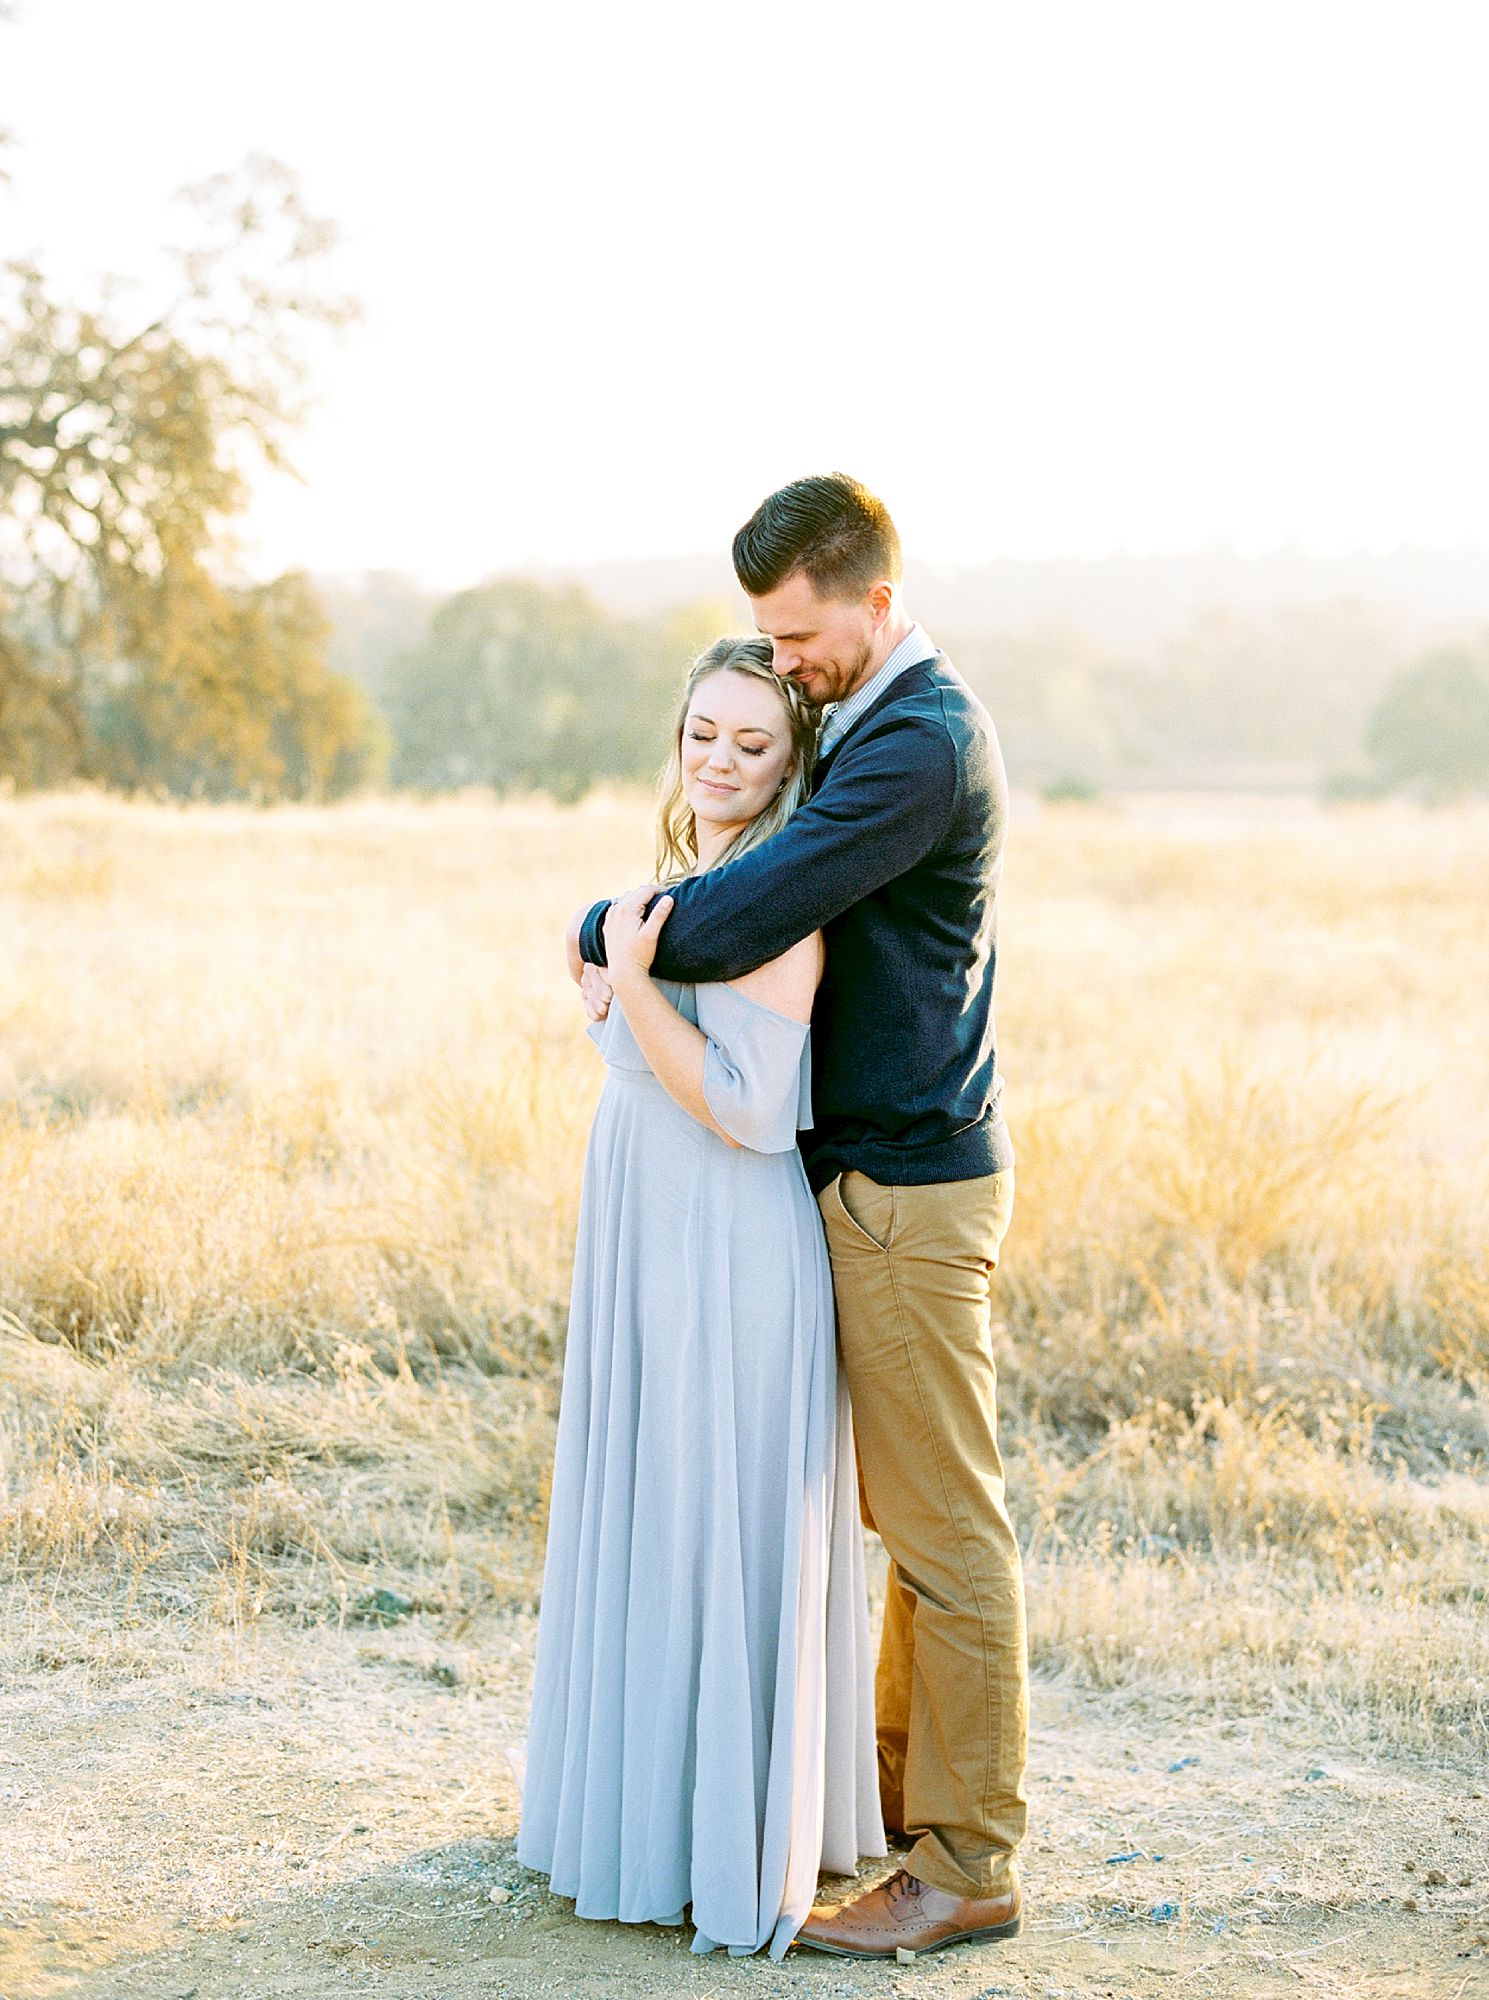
{"x":832,"y":529}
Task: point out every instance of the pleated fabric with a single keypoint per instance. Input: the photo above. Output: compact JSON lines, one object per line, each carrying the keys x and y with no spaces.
{"x":702,"y":1728}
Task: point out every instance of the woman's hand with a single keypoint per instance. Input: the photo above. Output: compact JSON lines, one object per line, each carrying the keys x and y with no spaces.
{"x":630,"y":936}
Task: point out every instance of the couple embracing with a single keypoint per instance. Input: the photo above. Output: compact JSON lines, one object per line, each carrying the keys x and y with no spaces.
{"x":769,"y":1337}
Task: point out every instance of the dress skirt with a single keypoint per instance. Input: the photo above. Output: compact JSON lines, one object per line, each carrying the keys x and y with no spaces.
{"x":702,"y":1732}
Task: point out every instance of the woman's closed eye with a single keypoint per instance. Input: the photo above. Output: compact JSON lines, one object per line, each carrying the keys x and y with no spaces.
{"x":749,"y":749}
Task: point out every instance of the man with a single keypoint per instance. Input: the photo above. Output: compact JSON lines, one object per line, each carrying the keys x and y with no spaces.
{"x":896,"y":858}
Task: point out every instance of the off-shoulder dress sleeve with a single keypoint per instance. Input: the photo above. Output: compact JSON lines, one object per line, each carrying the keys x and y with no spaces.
{"x":755,"y":1074}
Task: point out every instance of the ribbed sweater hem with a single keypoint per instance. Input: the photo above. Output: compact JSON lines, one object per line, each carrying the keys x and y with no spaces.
{"x":967,"y":1155}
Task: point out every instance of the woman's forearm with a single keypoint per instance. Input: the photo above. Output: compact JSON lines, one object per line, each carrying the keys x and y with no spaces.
{"x":674,"y":1047}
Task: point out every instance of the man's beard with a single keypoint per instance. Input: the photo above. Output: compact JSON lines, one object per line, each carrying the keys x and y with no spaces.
{"x":862,"y":662}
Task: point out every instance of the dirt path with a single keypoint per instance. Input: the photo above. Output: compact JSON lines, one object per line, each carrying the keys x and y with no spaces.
{"x":296,"y":1815}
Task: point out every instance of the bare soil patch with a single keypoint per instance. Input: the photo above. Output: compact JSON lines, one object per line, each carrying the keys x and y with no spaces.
{"x":283,"y":1814}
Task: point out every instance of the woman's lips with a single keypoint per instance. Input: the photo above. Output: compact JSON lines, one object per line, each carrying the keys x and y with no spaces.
{"x":724,"y":791}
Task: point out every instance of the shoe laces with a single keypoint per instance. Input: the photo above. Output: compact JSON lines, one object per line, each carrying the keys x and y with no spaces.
{"x":905,"y":1892}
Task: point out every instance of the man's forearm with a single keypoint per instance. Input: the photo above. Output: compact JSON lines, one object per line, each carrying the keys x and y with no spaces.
{"x":698,"y":958}
{"x":745,"y":938}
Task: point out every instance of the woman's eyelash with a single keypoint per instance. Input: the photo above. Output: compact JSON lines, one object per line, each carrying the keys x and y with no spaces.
{"x":750,"y":749}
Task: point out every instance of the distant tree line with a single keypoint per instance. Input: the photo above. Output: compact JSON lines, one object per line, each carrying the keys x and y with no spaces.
{"x":522,"y":687}
{"x":1299,"y":696}
{"x":516,"y":685}
{"x":519,"y":685}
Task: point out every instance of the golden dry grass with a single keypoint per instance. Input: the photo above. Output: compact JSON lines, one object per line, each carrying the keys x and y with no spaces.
{"x":292,"y":1107}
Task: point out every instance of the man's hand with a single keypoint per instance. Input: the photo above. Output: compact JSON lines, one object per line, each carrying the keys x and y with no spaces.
{"x":631,"y":931}
{"x":595,"y":986}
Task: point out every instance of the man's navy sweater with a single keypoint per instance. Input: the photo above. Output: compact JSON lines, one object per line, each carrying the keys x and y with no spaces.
{"x":895,"y":858}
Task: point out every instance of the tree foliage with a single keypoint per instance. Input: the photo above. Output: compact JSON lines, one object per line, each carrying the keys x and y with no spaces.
{"x":127,"y":653}
{"x":238,"y":704}
{"x":1429,"y":733}
{"x":523,"y":687}
{"x":1233,"y":694}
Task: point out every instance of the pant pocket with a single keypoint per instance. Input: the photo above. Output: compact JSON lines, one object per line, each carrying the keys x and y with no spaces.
{"x":869,"y":1207}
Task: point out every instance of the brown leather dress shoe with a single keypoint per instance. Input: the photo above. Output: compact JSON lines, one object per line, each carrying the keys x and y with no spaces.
{"x":905,"y":1914}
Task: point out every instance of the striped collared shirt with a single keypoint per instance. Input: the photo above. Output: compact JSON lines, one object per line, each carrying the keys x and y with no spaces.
{"x":912,"y":649}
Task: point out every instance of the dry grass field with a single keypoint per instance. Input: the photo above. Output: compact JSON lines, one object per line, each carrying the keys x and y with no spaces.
{"x":292,"y":1108}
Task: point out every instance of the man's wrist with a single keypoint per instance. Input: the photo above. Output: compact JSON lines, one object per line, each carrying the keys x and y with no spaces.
{"x":592,"y":935}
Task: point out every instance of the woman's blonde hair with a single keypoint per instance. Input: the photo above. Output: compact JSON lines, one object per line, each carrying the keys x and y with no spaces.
{"x":677,"y":830}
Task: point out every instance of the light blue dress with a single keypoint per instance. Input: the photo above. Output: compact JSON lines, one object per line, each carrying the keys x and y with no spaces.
{"x":702,"y":1725}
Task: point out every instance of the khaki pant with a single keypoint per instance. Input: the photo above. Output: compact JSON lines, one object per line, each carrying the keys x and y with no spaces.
{"x":911,"y":1270}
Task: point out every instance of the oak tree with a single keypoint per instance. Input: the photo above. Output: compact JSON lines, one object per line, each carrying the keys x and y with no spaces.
{"x":129,"y":653}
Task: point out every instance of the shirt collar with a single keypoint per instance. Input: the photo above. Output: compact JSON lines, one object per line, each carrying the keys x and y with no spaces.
{"x":915,"y":647}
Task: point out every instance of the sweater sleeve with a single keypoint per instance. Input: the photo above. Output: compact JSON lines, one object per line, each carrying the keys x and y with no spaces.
{"x":883,"y":806}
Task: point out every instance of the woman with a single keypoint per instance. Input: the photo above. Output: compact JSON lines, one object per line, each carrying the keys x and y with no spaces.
{"x":702,"y":1728}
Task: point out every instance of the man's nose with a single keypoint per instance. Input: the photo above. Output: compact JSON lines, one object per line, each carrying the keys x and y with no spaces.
{"x":783,"y":662}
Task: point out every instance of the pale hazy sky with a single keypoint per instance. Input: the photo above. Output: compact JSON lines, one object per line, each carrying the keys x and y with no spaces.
{"x":1055,"y":278}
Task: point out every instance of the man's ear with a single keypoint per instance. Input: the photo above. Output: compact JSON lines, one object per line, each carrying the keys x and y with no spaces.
{"x":881,"y":601}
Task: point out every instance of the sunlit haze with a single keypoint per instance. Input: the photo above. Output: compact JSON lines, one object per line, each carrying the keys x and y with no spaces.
{"x":1055,"y":280}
